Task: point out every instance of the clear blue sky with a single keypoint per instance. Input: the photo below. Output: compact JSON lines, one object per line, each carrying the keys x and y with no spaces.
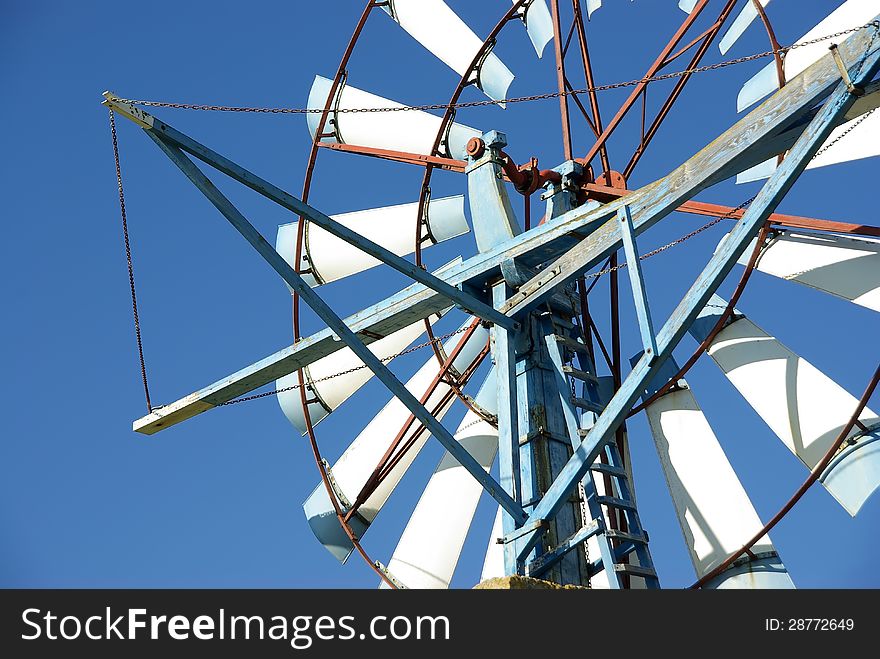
{"x":217,"y":501}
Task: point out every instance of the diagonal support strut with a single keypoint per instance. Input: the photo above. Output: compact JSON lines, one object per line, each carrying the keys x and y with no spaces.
{"x":696,"y":298}
{"x":334,"y":322}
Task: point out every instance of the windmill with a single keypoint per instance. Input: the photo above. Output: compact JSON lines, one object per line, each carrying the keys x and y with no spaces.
{"x":567,"y":510}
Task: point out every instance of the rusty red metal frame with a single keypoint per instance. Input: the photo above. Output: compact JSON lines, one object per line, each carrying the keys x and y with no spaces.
{"x":774,"y":43}
{"x":591,"y":83}
{"x":525,"y":178}
{"x":307,"y":182}
{"x":560,"y":80}
{"x":429,"y":162}
{"x":465,"y":376}
{"x":705,"y":40}
{"x":425,"y":191}
{"x":815,"y":473}
{"x":607,"y":193}
{"x":374,"y":479}
{"x":439,"y":162}
{"x":659,"y":63}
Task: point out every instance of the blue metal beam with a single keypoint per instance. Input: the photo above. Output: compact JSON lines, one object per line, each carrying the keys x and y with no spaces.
{"x":334,"y":322}
{"x":504,"y":356}
{"x":547,"y":241}
{"x":637,"y":281}
{"x":705,"y":285}
{"x":210,"y":157}
{"x":492,"y":215}
{"x":545,"y":561}
{"x":714,"y":163}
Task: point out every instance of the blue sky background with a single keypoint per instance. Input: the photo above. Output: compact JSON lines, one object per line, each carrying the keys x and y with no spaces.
{"x":84,"y":501}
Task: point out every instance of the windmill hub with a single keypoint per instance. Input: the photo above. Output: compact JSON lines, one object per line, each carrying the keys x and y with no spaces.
{"x":567,"y":510}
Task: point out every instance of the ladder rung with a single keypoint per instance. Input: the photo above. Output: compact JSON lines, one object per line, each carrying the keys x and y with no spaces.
{"x":624,"y":535}
{"x":611,"y":470}
{"x":559,"y":321}
{"x":579,"y":374}
{"x":614,"y":502}
{"x":585,"y":404}
{"x":571,"y":343}
{"x":635,"y":570}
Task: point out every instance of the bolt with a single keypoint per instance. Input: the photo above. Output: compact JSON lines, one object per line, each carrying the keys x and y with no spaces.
{"x":476,"y":147}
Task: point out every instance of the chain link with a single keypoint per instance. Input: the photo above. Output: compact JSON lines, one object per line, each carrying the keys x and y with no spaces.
{"x":134,"y":304}
{"x":853,"y":125}
{"x":516,"y":99}
{"x":436,"y":340}
{"x":677,"y":241}
{"x":387,"y":359}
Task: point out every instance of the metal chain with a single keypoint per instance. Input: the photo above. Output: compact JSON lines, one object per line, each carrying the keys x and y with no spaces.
{"x":389,"y":358}
{"x":647,"y":255}
{"x":516,"y":99}
{"x":419,"y":346}
{"x":471,"y":425}
{"x":677,"y":241}
{"x":134,"y":304}
{"x":853,"y":125}
{"x":851,"y":128}
{"x":438,"y":339}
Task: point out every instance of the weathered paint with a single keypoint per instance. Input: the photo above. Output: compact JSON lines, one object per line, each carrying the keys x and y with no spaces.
{"x":546,"y":241}
{"x":703,"y":288}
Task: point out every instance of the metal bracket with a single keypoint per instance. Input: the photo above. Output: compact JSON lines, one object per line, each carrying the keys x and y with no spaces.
{"x":844,"y":73}
{"x":340,"y":495}
{"x":529,"y":528}
{"x":129,"y":111}
{"x":384,"y":570}
{"x":545,"y":561}
{"x":531,"y":288}
{"x":640,"y":296}
{"x":543,"y":433}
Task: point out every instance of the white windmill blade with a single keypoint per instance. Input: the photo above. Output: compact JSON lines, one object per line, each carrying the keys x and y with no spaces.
{"x":850,"y":14}
{"x":411,"y":131}
{"x":493,"y":563}
{"x":712,"y":507}
{"x":846,"y":267}
{"x":855,"y":139}
{"x":593,"y":5}
{"x":431,"y":543}
{"x":539,"y":24}
{"x":740,"y":24}
{"x":687,"y":6}
{"x":327,"y":258}
{"x":800,"y":404}
{"x":354,"y":467}
{"x":861,"y":141}
{"x":439,"y":29}
{"x":325,"y":392}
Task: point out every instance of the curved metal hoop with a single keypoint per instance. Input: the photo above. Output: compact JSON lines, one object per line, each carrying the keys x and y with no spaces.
{"x":456,"y":383}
